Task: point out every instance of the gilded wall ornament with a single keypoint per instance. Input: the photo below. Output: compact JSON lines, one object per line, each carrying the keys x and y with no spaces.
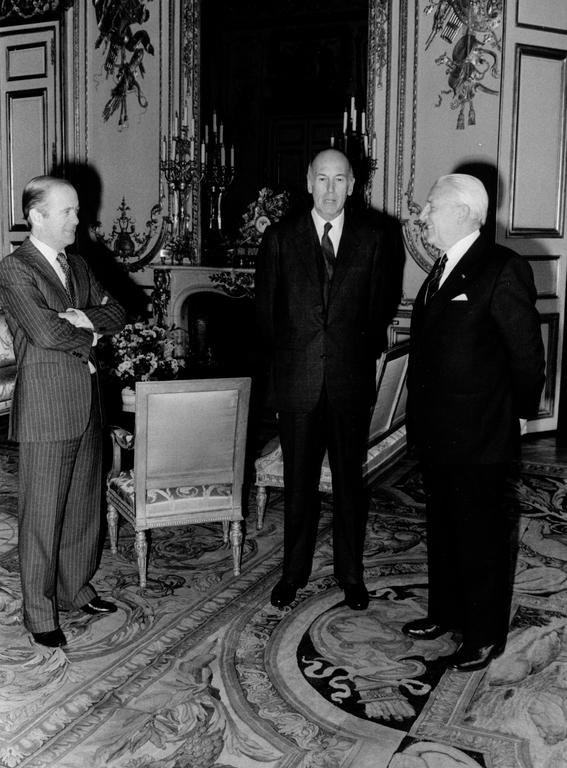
{"x":124,"y":51}
{"x":474,"y":59}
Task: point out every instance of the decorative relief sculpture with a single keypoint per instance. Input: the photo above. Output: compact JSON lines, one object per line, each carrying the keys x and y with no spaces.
{"x":474,"y":55}
{"x":124,"y":51}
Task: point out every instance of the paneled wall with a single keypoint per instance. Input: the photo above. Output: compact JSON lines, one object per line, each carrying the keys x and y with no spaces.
{"x":485,"y":94}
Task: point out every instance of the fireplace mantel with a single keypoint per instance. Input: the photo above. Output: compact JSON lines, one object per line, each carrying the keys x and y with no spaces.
{"x":173,"y":284}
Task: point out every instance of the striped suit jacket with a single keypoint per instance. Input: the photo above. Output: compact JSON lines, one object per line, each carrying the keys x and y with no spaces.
{"x":52,"y":396}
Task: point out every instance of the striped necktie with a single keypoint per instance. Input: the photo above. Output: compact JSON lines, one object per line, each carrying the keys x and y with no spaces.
{"x":435,"y":279}
{"x":328,"y":250}
{"x":64,"y":264}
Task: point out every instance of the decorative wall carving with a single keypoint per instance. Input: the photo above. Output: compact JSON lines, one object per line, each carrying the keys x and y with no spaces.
{"x":125,"y":51}
{"x":474,"y":55}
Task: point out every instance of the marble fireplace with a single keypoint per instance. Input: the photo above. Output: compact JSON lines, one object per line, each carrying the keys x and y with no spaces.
{"x":212,"y":310}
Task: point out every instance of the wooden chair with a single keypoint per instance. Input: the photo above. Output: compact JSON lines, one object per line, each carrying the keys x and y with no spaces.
{"x":386,"y":436}
{"x":189,"y":447}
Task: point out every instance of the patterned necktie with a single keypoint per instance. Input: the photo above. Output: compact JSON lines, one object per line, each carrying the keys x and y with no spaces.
{"x":64,"y":264}
{"x":436,"y":275}
{"x":328,"y":250}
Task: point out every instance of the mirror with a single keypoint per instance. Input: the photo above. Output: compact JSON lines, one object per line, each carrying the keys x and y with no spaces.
{"x":273,"y":80}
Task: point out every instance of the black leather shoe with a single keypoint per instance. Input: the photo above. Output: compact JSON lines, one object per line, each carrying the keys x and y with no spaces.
{"x":283,"y":594}
{"x":423,"y":629}
{"x":53,"y":639}
{"x":471,"y":659}
{"x":97,"y":606}
{"x":356,"y":596}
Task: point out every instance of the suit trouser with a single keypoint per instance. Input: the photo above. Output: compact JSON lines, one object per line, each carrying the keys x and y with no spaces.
{"x":304,"y":438}
{"x":469,"y":550}
{"x":59,"y":522}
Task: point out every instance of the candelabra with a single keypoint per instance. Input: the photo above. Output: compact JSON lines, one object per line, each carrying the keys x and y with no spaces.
{"x":182,"y":172}
{"x":218,"y":175}
{"x":359,"y":147}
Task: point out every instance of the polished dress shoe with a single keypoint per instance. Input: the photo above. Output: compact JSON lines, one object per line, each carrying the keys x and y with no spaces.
{"x":423,"y":629}
{"x":283,"y":594}
{"x":356,"y":596}
{"x":472,"y":658}
{"x":52,"y":639}
{"x":97,"y":605}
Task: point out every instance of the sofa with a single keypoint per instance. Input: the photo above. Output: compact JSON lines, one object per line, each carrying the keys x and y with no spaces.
{"x":386,"y":438}
{"x":7,"y":366}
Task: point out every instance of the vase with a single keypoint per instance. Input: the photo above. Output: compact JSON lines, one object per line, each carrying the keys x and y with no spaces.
{"x":128,"y":400}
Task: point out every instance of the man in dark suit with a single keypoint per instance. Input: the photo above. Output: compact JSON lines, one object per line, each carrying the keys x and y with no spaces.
{"x":56,"y":311}
{"x":476,"y":372}
{"x":322,"y":310}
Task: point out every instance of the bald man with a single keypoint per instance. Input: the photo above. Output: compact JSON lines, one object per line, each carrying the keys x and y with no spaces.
{"x":323,"y":305}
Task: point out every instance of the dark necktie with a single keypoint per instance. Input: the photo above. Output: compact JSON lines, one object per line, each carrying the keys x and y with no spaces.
{"x":435,"y":279}
{"x":328,"y":250}
{"x":64,"y":264}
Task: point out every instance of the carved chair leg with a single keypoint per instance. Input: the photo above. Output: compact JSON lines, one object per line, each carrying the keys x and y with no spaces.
{"x":225,"y":525}
{"x":141,"y":547}
{"x":236,"y":542}
{"x":261,"y":501}
{"x":112,"y":520}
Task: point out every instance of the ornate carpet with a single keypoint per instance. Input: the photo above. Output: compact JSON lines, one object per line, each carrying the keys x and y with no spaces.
{"x":201,"y":671}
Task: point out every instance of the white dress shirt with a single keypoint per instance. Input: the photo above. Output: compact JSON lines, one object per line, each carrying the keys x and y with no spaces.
{"x":336,"y":230}
{"x":456,"y":252}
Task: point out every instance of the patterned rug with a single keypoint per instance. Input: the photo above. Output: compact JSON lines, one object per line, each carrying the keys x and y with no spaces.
{"x":201,"y":671}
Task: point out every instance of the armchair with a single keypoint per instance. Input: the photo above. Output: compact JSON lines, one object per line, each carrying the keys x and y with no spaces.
{"x":189,"y":448}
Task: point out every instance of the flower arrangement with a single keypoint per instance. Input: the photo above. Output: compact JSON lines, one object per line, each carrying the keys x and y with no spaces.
{"x":143,"y":352}
{"x":266,"y":210}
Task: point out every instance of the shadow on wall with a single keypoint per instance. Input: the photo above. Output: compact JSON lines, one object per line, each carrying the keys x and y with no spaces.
{"x":488,"y":174}
{"x":109,"y":272}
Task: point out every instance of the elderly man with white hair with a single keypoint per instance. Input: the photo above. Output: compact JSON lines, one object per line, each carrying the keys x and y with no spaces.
{"x":476,"y":372}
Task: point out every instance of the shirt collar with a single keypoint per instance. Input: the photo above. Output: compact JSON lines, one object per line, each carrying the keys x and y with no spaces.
{"x":46,"y":250}
{"x":337,"y":222}
{"x":459,"y":248}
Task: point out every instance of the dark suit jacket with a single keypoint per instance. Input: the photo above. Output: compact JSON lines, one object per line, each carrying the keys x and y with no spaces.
{"x":52,"y":396}
{"x":476,"y":366}
{"x":307,"y":342}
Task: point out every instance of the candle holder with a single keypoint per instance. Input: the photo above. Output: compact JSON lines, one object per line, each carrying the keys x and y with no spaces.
{"x":218,"y":175}
{"x":182,"y":172}
{"x":360,"y":149}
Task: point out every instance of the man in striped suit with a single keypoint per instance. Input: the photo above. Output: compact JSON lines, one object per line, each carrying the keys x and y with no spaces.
{"x":56,"y":311}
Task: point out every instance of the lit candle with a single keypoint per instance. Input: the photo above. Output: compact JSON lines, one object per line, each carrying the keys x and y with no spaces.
{"x":185,"y":115}
{"x":232,"y":156}
{"x":373,"y":155}
{"x":214,"y":122}
{"x":192,"y":145}
{"x":221,"y":133}
{"x":206,"y":134}
{"x":352,"y":108}
{"x":345,"y":119}
{"x":365,"y":140}
{"x":354,"y":120}
{"x":203,"y":152}
{"x":363,"y":122}
{"x":222,"y":156}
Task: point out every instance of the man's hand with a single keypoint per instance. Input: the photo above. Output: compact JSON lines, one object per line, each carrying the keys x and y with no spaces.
{"x":78,"y":318}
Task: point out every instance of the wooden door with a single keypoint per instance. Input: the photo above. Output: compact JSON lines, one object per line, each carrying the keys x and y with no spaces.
{"x":531,"y":162}
{"x":30,"y":120}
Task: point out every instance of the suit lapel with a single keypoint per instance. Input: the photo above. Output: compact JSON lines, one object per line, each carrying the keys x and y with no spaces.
{"x":456,"y":283}
{"x":28,"y":252}
{"x":348,"y":248}
{"x":308,"y":248}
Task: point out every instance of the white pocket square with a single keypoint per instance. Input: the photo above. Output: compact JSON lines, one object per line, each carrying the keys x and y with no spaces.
{"x":460,"y":297}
